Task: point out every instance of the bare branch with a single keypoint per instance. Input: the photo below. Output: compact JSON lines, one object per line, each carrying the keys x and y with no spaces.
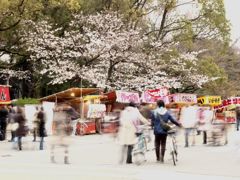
{"x":189,"y":2}
{"x":164,"y":17}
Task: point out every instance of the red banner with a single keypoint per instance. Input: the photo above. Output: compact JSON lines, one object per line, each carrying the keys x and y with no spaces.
{"x":228,"y":102}
{"x":4,"y":95}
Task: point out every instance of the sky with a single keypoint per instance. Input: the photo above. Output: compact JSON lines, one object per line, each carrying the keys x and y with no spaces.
{"x":233,"y":15}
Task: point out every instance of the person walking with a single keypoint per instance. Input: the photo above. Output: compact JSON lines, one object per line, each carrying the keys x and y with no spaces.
{"x":189,"y":120}
{"x":205,"y":122}
{"x":62,"y":131}
{"x":130,"y":118}
{"x":11,"y":113}
{"x":41,"y":126}
{"x":3,"y":122}
{"x":238,"y":117}
{"x":35,"y":124}
{"x":21,"y":130}
{"x":158,"y":115}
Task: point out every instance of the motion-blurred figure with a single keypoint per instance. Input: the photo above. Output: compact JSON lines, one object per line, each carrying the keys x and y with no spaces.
{"x":35,"y":125}
{"x":238,"y":117}
{"x":189,"y":119}
{"x":205,"y":121}
{"x":21,"y":130}
{"x":41,"y":126}
{"x":130,"y":118}
{"x":3,"y":122}
{"x":11,"y":113}
{"x":62,"y":130}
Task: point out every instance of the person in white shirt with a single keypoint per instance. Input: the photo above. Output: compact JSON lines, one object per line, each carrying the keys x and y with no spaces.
{"x":205,"y":122}
{"x":189,"y":119}
{"x":130,"y":118}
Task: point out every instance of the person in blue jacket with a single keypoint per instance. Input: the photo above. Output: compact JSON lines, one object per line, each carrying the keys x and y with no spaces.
{"x":160,"y":134}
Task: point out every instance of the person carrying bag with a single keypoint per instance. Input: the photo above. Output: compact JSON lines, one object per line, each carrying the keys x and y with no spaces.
{"x":160,"y":117}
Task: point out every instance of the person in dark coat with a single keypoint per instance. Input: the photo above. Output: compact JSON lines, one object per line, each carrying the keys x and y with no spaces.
{"x":159,"y":132}
{"x":3,"y":121}
{"x":11,"y":113}
{"x":238,"y":117}
{"x":21,"y":130}
{"x":41,"y":127}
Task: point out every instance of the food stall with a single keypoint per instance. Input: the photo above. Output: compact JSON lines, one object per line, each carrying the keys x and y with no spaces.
{"x":226,"y":110}
{"x":81,"y":99}
{"x":209,"y":101}
{"x":92,"y":114}
{"x":115,"y":102}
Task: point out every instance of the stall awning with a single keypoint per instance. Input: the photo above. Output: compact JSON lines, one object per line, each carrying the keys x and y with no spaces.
{"x":72,"y":94}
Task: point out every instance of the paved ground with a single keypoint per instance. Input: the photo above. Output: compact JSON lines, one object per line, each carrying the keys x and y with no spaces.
{"x":96,"y":157}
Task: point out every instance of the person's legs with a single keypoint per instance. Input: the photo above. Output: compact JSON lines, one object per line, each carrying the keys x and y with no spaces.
{"x":52,"y":154}
{"x":4,"y":130}
{"x":123,"y":153}
{"x":157,"y":147}
{"x":66,"y":160}
{"x":34,"y":134}
{"x":238,"y":123}
{"x":20,"y":143}
{"x":13,"y":134}
{"x":163,"y":140}
{"x":129,"y":154}
{"x":187,"y":130}
{"x":41,"y":143}
{"x":204,"y":137}
{"x":225,"y":132}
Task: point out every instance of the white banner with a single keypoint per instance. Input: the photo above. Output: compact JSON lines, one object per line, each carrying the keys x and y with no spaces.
{"x":127,"y":97}
{"x":96,"y":110}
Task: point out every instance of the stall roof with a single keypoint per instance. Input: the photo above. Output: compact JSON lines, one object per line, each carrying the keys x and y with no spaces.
{"x":70,"y":94}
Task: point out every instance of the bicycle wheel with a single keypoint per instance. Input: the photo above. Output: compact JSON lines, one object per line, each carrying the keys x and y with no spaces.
{"x":138,"y":158}
{"x":173,"y":158}
{"x":175,"y":150}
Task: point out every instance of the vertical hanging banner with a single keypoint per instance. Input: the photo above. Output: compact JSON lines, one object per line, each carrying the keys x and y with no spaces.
{"x":4,"y":95}
{"x":151,"y":96}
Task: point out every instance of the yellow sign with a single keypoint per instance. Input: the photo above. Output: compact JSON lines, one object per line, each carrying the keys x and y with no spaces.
{"x":210,"y":100}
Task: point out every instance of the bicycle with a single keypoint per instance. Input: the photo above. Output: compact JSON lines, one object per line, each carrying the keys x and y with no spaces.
{"x":140,"y":148}
{"x":173,"y":146}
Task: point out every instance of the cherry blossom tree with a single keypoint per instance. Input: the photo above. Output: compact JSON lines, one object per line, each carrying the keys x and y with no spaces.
{"x":101,"y":49}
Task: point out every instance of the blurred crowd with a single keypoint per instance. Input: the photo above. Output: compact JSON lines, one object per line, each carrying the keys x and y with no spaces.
{"x":194,"y":120}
